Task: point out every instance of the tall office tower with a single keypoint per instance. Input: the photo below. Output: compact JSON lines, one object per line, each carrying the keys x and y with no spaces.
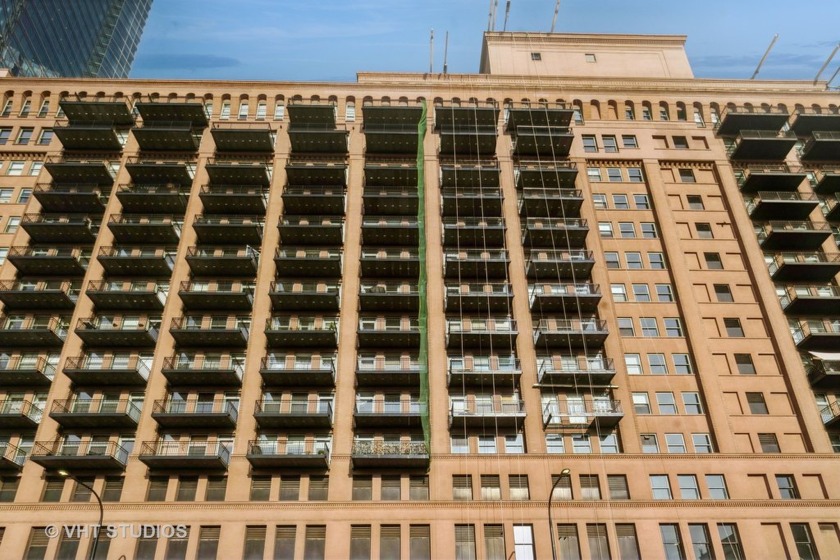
{"x":578,"y":305}
{"x":80,"y":38}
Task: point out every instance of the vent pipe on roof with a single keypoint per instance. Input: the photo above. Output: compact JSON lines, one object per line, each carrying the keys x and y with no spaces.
{"x":554,"y":19}
{"x":763,"y":58}
{"x":827,"y":62}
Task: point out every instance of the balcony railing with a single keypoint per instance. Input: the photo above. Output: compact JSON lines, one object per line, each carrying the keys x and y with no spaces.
{"x":96,"y":412}
{"x":382,"y":454}
{"x":12,"y":457}
{"x":75,"y":454}
{"x":201,"y":369}
{"x":816,"y":334}
{"x":831,"y":414}
{"x":506,"y":413}
{"x":186,"y":454}
{"x":49,"y":261}
{"x":280,"y":371}
{"x":19,"y":414}
{"x":118,"y":369}
{"x":605,"y":413}
{"x":290,"y":454}
{"x":576,"y":371}
{"x":28,"y":370}
{"x":39,"y":295}
{"x":202,"y":411}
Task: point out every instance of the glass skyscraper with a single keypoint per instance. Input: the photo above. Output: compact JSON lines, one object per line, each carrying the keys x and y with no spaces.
{"x":84,"y":38}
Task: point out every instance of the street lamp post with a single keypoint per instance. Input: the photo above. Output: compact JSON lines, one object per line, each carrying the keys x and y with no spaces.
{"x":66,"y":474}
{"x":564,"y":472}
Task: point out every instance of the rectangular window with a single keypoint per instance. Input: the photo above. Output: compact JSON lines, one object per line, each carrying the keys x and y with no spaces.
{"x":494,"y":542}
{"x":723,"y":293}
{"x":24,"y":136}
{"x":805,"y":547}
{"x":261,"y":110}
{"x":243,"y":110}
{"x":487,"y":445}
{"x":609,"y":443}
{"x":318,"y":488}
{"x":634,"y":175}
{"x":619,"y":292}
{"x":536,"y":56}
{"x":660,"y":487}
{"x":8,"y":488}
{"x":554,"y":443}
{"x":787,"y":487}
{"x":649,"y":443}
{"x":390,"y":490}
{"x":216,"y":489}
{"x":633,"y":364}
{"x":704,"y":230}
{"x":359,"y":542}
{"x":290,"y":488}
{"x":418,"y":488}
{"x":688,"y":487}
{"x":730,"y":540}
{"x":717,"y":487}
{"x":657,"y":261}
{"x":611,"y":259}
{"x":284,"y":542}
{"x":24,"y":195}
{"x":680,"y":143}
{"x":187,"y":486}
{"x":627,"y":230}
{"x":279,"y":111}
{"x":691,"y":403}
{"x":208,"y":543}
{"x":45,"y":137}
{"x":675,"y":443}
{"x":254,"y":548}
{"x":625,"y":326}
{"x":702,"y":443}
{"x":157,"y":488}
{"x":745,"y":364}
{"x":12,"y":224}
{"x":671,"y":541}
{"x":682,"y":364}
{"x":700,"y":541}
{"x":490,"y":487}
{"x":695,"y":202}
{"x":649,"y":326}
{"x":315,"y":543}
{"x":5,"y":134}
{"x":629,"y":141}
{"x":523,"y":541}
{"x":599,"y":546}
{"x":641,"y":201}
{"x":605,"y":229}
{"x":593,"y":174}
{"x":567,"y":541}
{"x":590,"y":144}
{"x":687,"y":176}
{"x":590,"y":489}
{"x":562,"y":489}
{"x":649,"y":230}
{"x":614,"y":174}
{"x":82,"y":493}
{"x":673,"y":326}
{"x":733,"y":327}
{"x":465,"y":542}
{"x":15,"y":168}
{"x":620,"y":202}
{"x":634,"y":260}
{"x":617,"y":484}
{"x":362,"y":488}
{"x":641,"y":403}
{"x":641,"y":293}
{"x":664,"y":293}
{"x":757,"y":403}
{"x":713,"y":261}
{"x":260,"y":488}
{"x":628,"y":542}
{"x":666,"y":403}
{"x":599,"y":200}
{"x":225,"y":113}
{"x":419,"y":542}
{"x":518,"y":484}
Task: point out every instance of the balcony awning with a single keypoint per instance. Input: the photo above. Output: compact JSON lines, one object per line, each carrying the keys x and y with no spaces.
{"x":826,"y":356}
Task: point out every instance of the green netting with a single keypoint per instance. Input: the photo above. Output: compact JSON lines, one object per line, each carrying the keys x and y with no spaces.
{"x":421,"y":281}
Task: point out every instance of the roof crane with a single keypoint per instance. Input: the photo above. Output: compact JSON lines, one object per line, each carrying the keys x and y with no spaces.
{"x":554,"y":19}
{"x":507,"y":13}
{"x":763,"y":58}
{"x":827,"y":62}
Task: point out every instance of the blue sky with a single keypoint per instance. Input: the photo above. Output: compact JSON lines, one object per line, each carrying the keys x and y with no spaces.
{"x":331,"y":40}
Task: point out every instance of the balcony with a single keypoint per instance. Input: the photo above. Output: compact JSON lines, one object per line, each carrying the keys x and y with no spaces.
{"x":116,"y":113}
{"x":472,"y":414}
{"x":580,"y":371}
{"x":476,"y":232}
{"x":827,"y":182}
{"x":457,"y":177}
{"x":821,"y":146}
{"x":539,"y":202}
{"x":309,"y":262}
{"x":542,"y":141}
{"x":138,"y":261}
{"x":117,"y":370}
{"x":127,"y":295}
{"x":388,"y":332}
{"x":95,"y":413}
{"x":293,"y":414}
{"x":564,"y":298}
{"x":92,"y":136}
{"x":291,"y":455}
{"x":316,"y":174}
{"x":762,"y":145}
{"x":470,"y":201}
{"x":540,"y":115}
{"x":475,"y":264}
{"x":54,"y":294}
{"x":378,"y":454}
{"x":11,"y":458}
{"x":19,"y":415}
{"x":390,"y":201}
{"x":195,"y":331}
{"x":807,"y":122}
{"x":486,"y":371}
{"x":81,"y":172}
{"x":153,"y":228}
{"x":187,"y":369}
{"x":388,"y":414}
{"x":32,"y":331}
{"x":770,"y":178}
{"x":467,"y":130}
{"x":76,"y":455}
{"x":304,"y":332}
{"x":816,"y":334}
{"x":310,"y":296}
{"x":316,"y":133}
{"x":167,"y":136}
{"x":238,"y":296}
{"x":232,"y":172}
{"x":824,"y":369}
{"x":280,"y":371}
{"x":551,"y":265}
{"x":60,"y":228}
{"x":153,"y":199}
{"x":177,"y":455}
{"x":27,"y":370}
{"x":223,"y":261}
{"x":374,"y":372}
{"x":803,"y":267}
{"x":311,"y":230}
{"x":228,"y":230}
{"x":312,"y":200}
{"x":391,"y":129}
{"x":391,"y":174}
{"x":234,"y":199}
{"x":241,"y":137}
{"x":100,"y":331}
{"x":600,"y":413}
{"x":151,"y":172}
{"x":831,"y":415}
{"x":49,"y":261}
{"x":480,"y":333}
{"x":830,"y":206}
{"x":734,"y":120}
{"x":563,"y":333}
{"x":493,"y":297}
{"x":389,"y":230}
{"x":546,"y":232}
{"x":810,"y":300}
{"x":391,"y":263}
{"x":389,"y":296}
{"x":180,"y":414}
{"x":539,"y":176}
{"x":71,"y":199}
{"x":774,"y":205}
{"x":796,"y":236}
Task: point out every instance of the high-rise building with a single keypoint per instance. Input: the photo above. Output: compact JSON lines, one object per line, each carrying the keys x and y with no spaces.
{"x":82,"y":38}
{"x":578,"y":305}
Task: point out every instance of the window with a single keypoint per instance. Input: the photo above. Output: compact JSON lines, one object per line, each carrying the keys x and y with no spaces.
{"x":15,"y":168}
{"x":704,"y":231}
{"x":5,"y":134}
{"x":700,"y":543}
{"x":713,"y":261}
{"x":660,"y":487}
{"x":590,"y":144}
{"x":216,"y":489}
{"x":657,"y":364}
{"x":641,"y":403}
{"x":620,"y":202}
{"x":673,"y":327}
{"x":617,"y":484}
{"x":599,"y":547}
{"x":490,"y":487}
{"x":730,"y":540}
{"x":494,"y":542}
{"x":418,"y":488}
{"x":260,"y":488}
{"x":723,"y":293}
{"x":649,"y":327}
{"x":619,"y":292}
{"x":314,"y":546}
{"x":611,"y":259}
{"x":649,"y":443}
{"x":208,"y":543}
{"x":157,"y":488}
{"x":614,"y":174}
{"x":6,"y":196}
{"x":187,"y":486}
{"x":682,"y":364}
{"x":225,"y":113}
{"x":664,"y":294}
{"x":688,"y":487}
{"x":745,"y":364}
{"x":146,"y":547}
{"x":581,"y":444}
{"x":284,"y":542}
{"x":290,"y":488}
{"x":176,"y":547}
{"x":634,"y":175}
{"x":629,"y":141}
{"x":8,"y":488}
{"x":262,"y":110}
{"x":12,"y":224}
{"x":641,"y":293}
{"x":419,"y":542}
{"x":486,"y":444}
{"x":691,"y":402}
{"x":680,"y":142}
{"x":35,"y":168}
{"x":563,"y":489}
{"x":318,"y":487}
{"x":625,"y":326}
{"x":687,"y":176}
{"x":24,"y":195}
{"x":536,"y":56}
{"x":641,"y":201}
{"x":359,"y":542}
{"x":756,"y":403}
{"x":805,"y":547}
{"x":554,"y":443}
{"x":695,"y":202}
{"x":648,"y":230}
{"x":605,"y":229}
{"x":702,"y":443}
{"x":599,"y":200}
{"x":567,"y":541}
{"x":733,"y":327}
{"x":589,"y":58}
{"x":279,"y":111}
{"x":590,"y":489}
{"x":666,"y":402}
{"x":628,"y":542}
{"x":633,"y":364}
{"x":45,"y":137}
{"x":24,"y":136}
{"x":634,"y":260}
{"x":523,"y":541}
{"x":4,"y":252}
{"x":609,"y":443}
{"x":646,"y":116}
{"x":254,"y":543}
{"x":627,"y":230}
{"x":362,"y":488}
{"x":465,"y":542}
{"x":675,"y":443}
{"x":593,"y":174}
{"x":390,"y":488}
{"x":717,"y":487}
{"x":787,"y":487}
{"x":518,"y":484}
{"x":657,"y":261}
{"x":671,"y":541}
